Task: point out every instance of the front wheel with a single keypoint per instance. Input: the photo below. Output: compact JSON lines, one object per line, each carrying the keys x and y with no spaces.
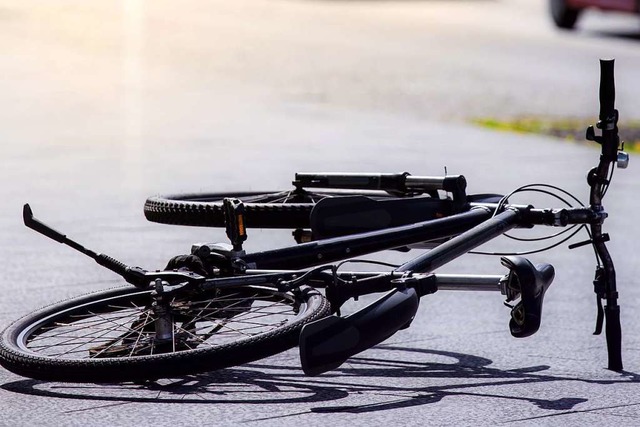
{"x":563,"y":16}
{"x":110,"y":336}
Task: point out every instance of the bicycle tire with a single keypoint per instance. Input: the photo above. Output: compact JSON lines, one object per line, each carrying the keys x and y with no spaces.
{"x":60,"y":342}
{"x":563,"y":15}
{"x":263,"y":209}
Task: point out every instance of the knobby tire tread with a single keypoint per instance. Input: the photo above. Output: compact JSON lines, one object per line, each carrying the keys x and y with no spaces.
{"x":184,"y":210}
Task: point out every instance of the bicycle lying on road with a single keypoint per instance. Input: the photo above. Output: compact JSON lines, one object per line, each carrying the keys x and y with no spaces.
{"x":221,"y":306}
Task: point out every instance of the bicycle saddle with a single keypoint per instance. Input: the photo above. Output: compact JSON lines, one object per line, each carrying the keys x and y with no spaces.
{"x":531,"y":282}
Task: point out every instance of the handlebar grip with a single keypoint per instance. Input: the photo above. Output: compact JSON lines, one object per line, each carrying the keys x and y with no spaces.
{"x":607,"y":89}
{"x":614,"y":338}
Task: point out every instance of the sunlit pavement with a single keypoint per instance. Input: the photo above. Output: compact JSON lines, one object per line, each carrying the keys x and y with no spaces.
{"x":106,"y":103}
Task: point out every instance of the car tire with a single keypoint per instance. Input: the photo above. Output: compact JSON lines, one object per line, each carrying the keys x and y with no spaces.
{"x":563,"y":16}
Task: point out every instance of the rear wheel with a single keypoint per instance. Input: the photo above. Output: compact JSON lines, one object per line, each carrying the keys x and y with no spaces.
{"x":266,"y":209}
{"x":110,"y":336}
{"x":563,"y":15}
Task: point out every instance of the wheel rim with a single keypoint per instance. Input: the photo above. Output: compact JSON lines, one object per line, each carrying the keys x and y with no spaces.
{"x":123,"y":326}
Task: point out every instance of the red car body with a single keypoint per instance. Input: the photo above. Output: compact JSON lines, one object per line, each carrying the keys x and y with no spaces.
{"x":619,"y":5}
{"x":565,"y":13}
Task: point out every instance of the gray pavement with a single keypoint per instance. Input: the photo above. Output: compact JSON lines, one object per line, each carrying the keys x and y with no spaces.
{"x":106,"y":104}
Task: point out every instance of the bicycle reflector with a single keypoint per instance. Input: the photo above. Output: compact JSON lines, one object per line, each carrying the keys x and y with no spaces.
{"x":327,"y":343}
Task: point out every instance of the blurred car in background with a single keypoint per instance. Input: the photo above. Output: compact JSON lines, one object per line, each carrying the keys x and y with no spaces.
{"x":565,"y":13}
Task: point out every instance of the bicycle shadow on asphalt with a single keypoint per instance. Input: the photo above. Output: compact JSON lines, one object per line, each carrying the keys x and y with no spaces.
{"x":266,"y":384}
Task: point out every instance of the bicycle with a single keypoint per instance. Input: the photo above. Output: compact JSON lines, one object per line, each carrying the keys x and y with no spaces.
{"x":221,"y":306}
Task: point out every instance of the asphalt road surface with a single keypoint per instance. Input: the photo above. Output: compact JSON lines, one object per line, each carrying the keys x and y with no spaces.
{"x":106,"y":103}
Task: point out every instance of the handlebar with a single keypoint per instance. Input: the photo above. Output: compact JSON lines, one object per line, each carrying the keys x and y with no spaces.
{"x":599,"y":180}
{"x":594,"y":215}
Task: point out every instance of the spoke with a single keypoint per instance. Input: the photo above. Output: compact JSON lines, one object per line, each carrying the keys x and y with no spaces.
{"x":91,"y":341}
{"x":115,"y":307}
{"x":145,"y":347}
{"x":214,"y":326}
{"x":70,"y":340}
{"x":204,"y":308}
{"x":240,"y":300}
{"x":241,"y":331}
{"x":268,"y":304}
{"x":267,"y":198}
{"x":252,"y":320}
{"x":283,"y":197}
{"x":134,"y":307}
{"x":262,"y":309}
{"x":81,"y":324}
{"x":256,"y":312}
{"x":245,"y":319}
{"x":173,"y":338}
{"x":194,"y":336}
{"x":90,"y":337}
{"x":238,"y":310}
{"x":69,"y":352}
{"x":287,"y":197}
{"x":63,"y":335}
{"x":116,"y":340}
{"x":279,"y":200}
{"x":188,"y":346}
{"x":145,"y":323}
{"x":247,"y":326}
{"x":214,"y":329}
{"x":106,"y":320}
{"x":236,"y":330}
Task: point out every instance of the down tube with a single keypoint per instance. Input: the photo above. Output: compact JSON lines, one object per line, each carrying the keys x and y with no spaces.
{"x":463,"y":243}
{"x":338,"y":248}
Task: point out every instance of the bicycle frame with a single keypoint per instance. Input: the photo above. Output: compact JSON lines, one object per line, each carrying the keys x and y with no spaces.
{"x":479,"y":224}
{"x":327,"y":342}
